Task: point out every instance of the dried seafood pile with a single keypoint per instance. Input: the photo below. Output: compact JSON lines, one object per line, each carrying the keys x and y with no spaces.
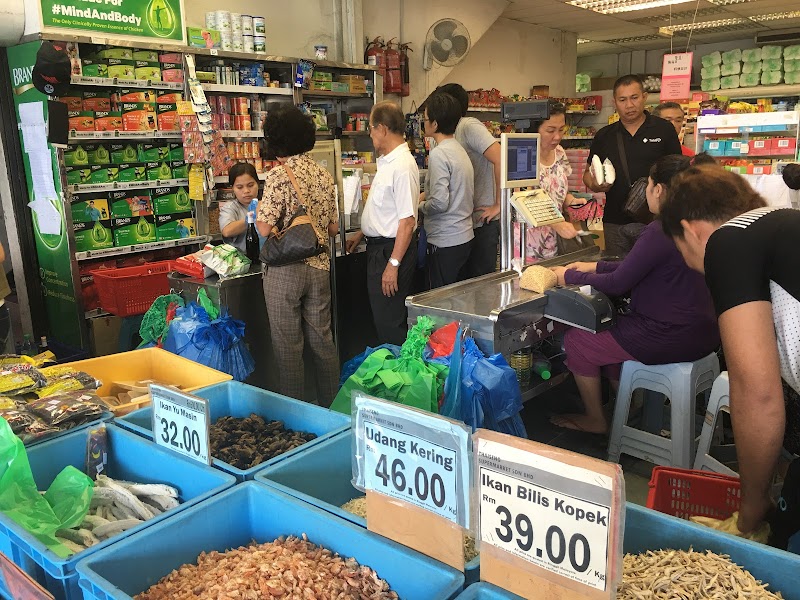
{"x":248,"y":442}
{"x":286,"y":568}
{"x":670,"y":574}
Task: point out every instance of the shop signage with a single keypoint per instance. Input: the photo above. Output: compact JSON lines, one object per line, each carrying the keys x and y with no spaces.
{"x":180,"y":422}
{"x":416,"y":457}
{"x":149,"y":19}
{"x":52,"y":249}
{"x":676,"y":76}
{"x":552,"y":520}
{"x":19,"y":584}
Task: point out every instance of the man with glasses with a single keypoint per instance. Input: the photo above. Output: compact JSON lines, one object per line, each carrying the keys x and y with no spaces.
{"x":388,"y":223}
{"x":673,"y":112}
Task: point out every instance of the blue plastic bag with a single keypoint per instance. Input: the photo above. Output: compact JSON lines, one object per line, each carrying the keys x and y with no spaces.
{"x":451,"y":407}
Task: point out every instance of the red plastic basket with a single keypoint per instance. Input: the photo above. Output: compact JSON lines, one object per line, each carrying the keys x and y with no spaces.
{"x":685,"y":493}
{"x":131,"y":290}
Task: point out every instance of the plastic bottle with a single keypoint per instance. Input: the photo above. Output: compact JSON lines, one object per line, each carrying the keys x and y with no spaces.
{"x":541,"y":366}
{"x":251,"y":238}
{"x":521,"y":362}
{"x":28,"y":348}
{"x":43,"y":344}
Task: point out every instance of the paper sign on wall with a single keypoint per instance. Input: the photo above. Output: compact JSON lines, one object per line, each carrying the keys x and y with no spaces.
{"x":676,"y":76}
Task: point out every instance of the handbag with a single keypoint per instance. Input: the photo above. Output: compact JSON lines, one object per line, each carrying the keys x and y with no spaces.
{"x":636,"y":203}
{"x":297,"y":241}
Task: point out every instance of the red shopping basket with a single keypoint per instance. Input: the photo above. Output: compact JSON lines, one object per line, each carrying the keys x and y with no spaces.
{"x":131,"y":290}
{"x":685,"y":493}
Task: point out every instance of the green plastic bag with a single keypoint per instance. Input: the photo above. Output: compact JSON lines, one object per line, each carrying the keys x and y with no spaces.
{"x":63,"y":506}
{"x":409,"y":379}
{"x":154,"y":323}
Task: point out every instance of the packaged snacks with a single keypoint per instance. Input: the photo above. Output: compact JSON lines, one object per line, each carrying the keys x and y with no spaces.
{"x":25,"y":425}
{"x":63,"y":378}
{"x":24,"y":379}
{"x":108,"y":120}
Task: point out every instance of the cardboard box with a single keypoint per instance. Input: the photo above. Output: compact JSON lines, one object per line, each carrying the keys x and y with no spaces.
{"x":115,"y":53}
{"x":149,"y":71}
{"x":733,"y":148}
{"x":175,"y":226}
{"x":92,"y":174}
{"x":321,"y":86}
{"x":153,"y":151}
{"x":172,"y":71}
{"x":126,"y":95}
{"x":541,"y":90}
{"x":341,"y":87}
{"x":180,"y":169}
{"x":358,"y":87}
{"x":170,"y":57}
{"x":148,"y":55}
{"x":121,"y":69}
{"x":93,"y":236}
{"x":158,"y":170}
{"x":73,"y":100}
{"x":86,"y":155}
{"x":81,"y":121}
{"x":94,"y":67}
{"x":784,"y":146}
{"x":714,"y":147}
{"x":197,"y":37}
{"x":129,"y":203}
{"x":130,"y":172}
{"x":90,"y":208}
{"x":168,"y":97}
{"x":759,"y":169}
{"x":104,"y":334}
{"x":171,"y":200}
{"x":138,"y":116}
{"x":351,"y":78}
{"x":322,"y":76}
{"x":76,"y":156}
{"x":109,"y":120}
{"x":123,"y":152}
{"x":759,"y":147}
{"x":96,"y":100}
{"x":167,"y":115}
{"x":176,"y":151}
{"x":134,"y":230}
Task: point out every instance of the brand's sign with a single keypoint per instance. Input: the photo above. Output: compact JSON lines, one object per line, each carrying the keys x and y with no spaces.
{"x":676,"y":76}
{"x":159,"y":19}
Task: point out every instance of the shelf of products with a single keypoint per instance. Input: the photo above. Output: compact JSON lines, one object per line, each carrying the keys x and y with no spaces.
{"x":126,"y":83}
{"x":242,"y":134}
{"x":489,"y":109}
{"x":247,"y":89}
{"x":105,"y":136}
{"x":326,"y":94}
{"x":762,"y":91}
{"x":109,"y":252}
{"x":133,"y":185}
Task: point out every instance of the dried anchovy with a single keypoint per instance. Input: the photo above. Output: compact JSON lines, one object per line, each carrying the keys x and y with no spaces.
{"x":358,"y":506}
{"x":670,"y":574}
{"x":286,"y":568}
{"x":245,"y":443}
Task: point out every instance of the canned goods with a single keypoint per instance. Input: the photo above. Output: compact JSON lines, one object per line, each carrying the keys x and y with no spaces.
{"x":255,"y":149}
{"x":239,"y":150}
{"x":231,"y":149}
{"x":241,"y":122}
{"x":211,"y":20}
{"x":247,"y":44}
{"x":223,"y":21}
{"x":240,"y":105}
{"x":238,"y":44}
{"x":259,"y":27}
{"x":225,"y":122}
{"x":259,"y":42}
{"x":223,"y":105}
{"x":236,"y":22}
{"x":247,"y":24}
{"x":226,"y":41}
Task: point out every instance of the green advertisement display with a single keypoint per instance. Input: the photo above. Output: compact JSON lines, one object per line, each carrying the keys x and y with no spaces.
{"x":153,"y":19}
{"x":55,"y":264}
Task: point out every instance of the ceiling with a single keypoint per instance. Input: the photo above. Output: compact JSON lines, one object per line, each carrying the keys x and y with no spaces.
{"x":649,"y":29}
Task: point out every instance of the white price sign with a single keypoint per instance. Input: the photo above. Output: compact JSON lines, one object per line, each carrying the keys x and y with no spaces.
{"x":180,"y":422}
{"x":413,"y":456}
{"x":548,"y":513}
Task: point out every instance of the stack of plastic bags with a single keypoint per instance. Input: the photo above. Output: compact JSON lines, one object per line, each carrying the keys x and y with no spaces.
{"x":768,"y":65}
{"x":791,"y":65}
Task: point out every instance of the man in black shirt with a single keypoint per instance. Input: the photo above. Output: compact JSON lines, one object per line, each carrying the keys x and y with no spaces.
{"x":748,"y":253}
{"x":645,"y":139}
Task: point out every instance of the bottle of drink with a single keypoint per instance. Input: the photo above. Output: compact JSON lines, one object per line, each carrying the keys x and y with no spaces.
{"x":541,"y":366}
{"x":251,"y":238}
{"x":28,"y":348}
{"x":43,"y":344}
{"x":521,"y":362}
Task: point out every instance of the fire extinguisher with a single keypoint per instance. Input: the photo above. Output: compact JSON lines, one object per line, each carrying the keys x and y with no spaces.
{"x":393,"y":83}
{"x":404,"y":69}
{"x":375,"y":55}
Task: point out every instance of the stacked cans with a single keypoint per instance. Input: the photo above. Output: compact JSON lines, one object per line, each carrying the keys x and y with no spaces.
{"x":238,"y":32}
{"x":237,"y":113}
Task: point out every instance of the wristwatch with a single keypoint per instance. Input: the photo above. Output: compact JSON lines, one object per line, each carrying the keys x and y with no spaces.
{"x":394,"y":262}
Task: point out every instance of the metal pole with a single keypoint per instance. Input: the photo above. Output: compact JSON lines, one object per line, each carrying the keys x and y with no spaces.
{"x":506,"y":237}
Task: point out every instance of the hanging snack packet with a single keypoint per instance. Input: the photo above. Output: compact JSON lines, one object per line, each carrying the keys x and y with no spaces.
{"x":305,"y":69}
{"x":67,"y":410}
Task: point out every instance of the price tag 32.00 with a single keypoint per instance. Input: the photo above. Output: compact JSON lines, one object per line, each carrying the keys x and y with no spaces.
{"x":412,"y":456}
{"x":180,"y":422}
{"x":545,"y":512}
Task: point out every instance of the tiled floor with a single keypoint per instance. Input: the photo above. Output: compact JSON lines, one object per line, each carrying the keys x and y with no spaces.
{"x":565,"y":398}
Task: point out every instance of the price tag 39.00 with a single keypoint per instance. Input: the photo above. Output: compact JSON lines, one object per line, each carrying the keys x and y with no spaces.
{"x":545,"y":512}
{"x":412,"y":456}
{"x":180,"y":422}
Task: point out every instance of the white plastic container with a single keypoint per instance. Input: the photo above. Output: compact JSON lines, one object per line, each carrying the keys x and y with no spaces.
{"x":247,"y":44}
{"x":236,"y":22}
{"x":259,"y":27}
{"x":260,"y":43}
{"x":226,"y":40}
{"x":223,"y":21}
{"x":238,"y":45}
{"x":211,"y":20}
{"x":247,"y":25}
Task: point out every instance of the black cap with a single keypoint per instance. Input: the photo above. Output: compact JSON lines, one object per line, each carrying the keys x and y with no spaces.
{"x":53,"y":69}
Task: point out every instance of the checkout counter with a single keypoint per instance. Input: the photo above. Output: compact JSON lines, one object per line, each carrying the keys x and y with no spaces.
{"x":500,"y":315}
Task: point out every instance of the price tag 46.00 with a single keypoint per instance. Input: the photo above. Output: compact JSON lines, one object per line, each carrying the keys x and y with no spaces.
{"x":180,"y":422}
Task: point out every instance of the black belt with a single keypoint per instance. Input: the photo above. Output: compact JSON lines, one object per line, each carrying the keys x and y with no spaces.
{"x":379,"y":241}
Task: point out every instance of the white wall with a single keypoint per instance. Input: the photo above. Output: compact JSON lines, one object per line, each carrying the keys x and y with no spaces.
{"x":650,"y":61}
{"x":512,"y":56}
{"x":294,"y":27}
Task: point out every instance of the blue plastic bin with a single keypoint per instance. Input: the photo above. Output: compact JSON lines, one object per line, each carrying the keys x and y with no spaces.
{"x":130,"y":458}
{"x":248,"y":512}
{"x":487,"y":591}
{"x":321,"y":476}
{"x":241,"y":400}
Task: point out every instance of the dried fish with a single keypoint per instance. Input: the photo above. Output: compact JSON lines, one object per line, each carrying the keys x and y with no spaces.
{"x":123,"y":497}
{"x":75,"y":548}
{"x":288,"y":567}
{"x":149,"y":489}
{"x":671,"y":574}
{"x":91,"y":521}
{"x":161,"y":502}
{"x":84,"y":537}
{"x":116,"y":527}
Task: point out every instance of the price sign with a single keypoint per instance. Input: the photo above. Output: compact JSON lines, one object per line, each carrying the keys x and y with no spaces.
{"x":554,"y":516}
{"x":676,"y":76}
{"x":416,"y":457}
{"x":180,"y":422}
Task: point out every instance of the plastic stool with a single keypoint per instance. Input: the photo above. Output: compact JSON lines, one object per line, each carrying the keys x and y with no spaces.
{"x":681,"y":383}
{"x":719,"y":401}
